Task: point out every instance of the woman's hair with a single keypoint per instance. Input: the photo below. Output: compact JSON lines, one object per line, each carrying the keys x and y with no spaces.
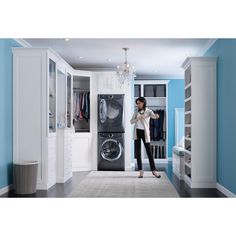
{"x":142,"y":99}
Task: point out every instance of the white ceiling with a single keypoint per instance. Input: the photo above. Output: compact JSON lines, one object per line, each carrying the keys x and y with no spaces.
{"x":162,"y":57}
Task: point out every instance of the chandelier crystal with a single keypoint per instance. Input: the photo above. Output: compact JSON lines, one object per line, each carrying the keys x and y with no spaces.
{"x":125,"y":71}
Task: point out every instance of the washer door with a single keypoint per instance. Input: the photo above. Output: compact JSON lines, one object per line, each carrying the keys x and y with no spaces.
{"x":111,"y":150}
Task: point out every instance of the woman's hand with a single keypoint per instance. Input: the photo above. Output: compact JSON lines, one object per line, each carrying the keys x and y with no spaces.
{"x":157,"y":116}
{"x":140,"y":117}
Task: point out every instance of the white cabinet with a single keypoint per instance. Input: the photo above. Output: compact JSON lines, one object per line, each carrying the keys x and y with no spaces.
{"x":108,"y":82}
{"x":200,"y":122}
{"x":64,"y":129}
{"x":64,"y":155}
{"x":43,"y":130}
{"x":35,"y":110}
{"x":81,"y":152}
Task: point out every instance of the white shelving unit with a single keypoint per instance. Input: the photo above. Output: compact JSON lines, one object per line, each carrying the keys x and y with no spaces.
{"x":155,"y":102}
{"x":200,"y":122}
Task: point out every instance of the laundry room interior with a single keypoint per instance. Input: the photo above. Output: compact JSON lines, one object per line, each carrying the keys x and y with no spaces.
{"x":117,"y":117}
{"x":68,"y":105}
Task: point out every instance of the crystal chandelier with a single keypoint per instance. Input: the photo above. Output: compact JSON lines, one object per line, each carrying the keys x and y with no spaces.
{"x":125,"y":71}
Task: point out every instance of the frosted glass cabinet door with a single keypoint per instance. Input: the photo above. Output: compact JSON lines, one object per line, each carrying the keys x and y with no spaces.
{"x":61,"y":99}
{"x":52,"y":96}
{"x":69,"y":109}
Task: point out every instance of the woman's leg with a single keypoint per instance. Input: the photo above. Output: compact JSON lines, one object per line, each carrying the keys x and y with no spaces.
{"x":137,"y":145}
{"x":150,"y":156}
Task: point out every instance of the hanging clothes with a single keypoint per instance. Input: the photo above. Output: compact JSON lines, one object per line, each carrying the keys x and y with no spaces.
{"x":157,"y":127}
{"x":81,"y":107}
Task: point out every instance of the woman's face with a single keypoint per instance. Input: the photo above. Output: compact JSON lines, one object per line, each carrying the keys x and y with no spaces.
{"x":139,"y":104}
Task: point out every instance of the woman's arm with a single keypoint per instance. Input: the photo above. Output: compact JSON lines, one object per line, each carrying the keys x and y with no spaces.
{"x":134,"y":119}
{"x":154,"y":116}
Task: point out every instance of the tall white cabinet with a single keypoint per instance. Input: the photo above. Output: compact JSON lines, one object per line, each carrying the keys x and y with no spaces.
{"x":37,"y":77}
{"x":200,"y":122}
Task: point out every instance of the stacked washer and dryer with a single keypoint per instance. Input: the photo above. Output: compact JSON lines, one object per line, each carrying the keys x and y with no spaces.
{"x":111,"y":132}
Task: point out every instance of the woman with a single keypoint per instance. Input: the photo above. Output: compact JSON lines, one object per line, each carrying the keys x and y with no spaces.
{"x":141,"y":119}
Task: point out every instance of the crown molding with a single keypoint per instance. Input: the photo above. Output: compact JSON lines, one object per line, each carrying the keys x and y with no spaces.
{"x":204,"y":49}
{"x":23,"y":43}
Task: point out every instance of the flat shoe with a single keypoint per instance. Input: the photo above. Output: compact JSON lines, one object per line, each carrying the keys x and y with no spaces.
{"x":140,"y":175}
{"x":157,"y":176}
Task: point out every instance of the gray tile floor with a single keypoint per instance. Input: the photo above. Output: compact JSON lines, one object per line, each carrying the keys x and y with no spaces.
{"x":63,"y":190}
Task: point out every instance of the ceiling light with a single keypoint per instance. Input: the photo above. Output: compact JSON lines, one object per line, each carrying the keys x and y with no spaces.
{"x":125,"y":71}
{"x":67,"y":40}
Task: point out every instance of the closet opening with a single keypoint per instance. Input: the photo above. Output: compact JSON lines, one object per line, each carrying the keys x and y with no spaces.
{"x":81,"y":103}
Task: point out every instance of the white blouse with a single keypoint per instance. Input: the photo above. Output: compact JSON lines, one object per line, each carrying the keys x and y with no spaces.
{"x":145,"y":122}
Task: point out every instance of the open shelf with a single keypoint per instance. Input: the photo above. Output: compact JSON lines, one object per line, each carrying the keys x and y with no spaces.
{"x":186,"y":87}
{"x":188,"y":164}
{"x":189,"y":152}
{"x":188,"y":112}
{"x":188,"y":99}
{"x":187,"y":179}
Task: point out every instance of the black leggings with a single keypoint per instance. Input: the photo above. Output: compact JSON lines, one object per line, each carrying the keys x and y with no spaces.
{"x":141,"y":135}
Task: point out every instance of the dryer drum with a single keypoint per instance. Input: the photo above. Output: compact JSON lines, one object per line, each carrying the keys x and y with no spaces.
{"x":111,"y":150}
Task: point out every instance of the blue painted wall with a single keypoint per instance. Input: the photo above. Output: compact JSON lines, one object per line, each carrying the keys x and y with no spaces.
{"x":175,"y":100}
{"x":225,"y":50}
{"x":6,"y":111}
{"x":179,"y":134}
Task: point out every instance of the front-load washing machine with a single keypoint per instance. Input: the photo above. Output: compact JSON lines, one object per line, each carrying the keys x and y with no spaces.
{"x":111,"y":113}
{"x":111,"y":151}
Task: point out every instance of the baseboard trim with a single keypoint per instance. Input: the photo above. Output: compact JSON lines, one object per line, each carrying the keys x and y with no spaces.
{"x":225,"y":191}
{"x":5,"y":189}
{"x":62,"y":180}
{"x":130,"y":167}
{"x":77,"y":169}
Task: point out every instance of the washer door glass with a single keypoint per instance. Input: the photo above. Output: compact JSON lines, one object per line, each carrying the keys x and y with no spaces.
{"x":111,"y":150}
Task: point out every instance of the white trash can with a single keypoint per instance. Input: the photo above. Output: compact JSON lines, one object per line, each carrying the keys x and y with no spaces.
{"x":25,"y":177}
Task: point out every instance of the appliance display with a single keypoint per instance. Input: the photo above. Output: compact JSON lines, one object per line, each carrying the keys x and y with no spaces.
{"x":110,"y":113}
{"x":111,"y":151}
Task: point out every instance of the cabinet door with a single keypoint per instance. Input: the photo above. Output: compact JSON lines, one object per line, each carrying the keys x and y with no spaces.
{"x":108,"y":82}
{"x":69,"y":99}
{"x":137,"y":90}
{"x":52,"y":97}
{"x":61,"y":99}
{"x":81,"y":153}
{"x":154,"y":90}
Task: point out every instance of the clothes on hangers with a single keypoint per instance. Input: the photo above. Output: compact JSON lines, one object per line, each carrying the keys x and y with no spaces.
{"x":157,"y":126}
{"x":81,"y":106}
